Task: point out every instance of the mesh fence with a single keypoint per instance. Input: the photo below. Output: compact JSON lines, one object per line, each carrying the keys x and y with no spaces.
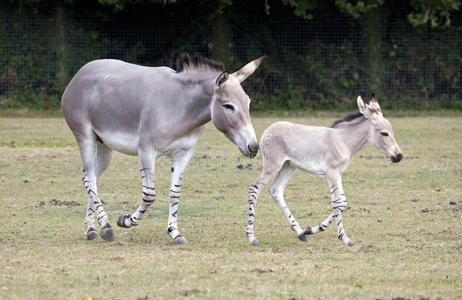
{"x":323,"y":62}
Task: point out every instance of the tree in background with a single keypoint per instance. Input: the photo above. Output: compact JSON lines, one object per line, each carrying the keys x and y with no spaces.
{"x":77,"y":31}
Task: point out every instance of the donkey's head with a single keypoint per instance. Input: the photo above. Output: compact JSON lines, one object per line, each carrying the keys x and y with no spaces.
{"x":230,"y":109}
{"x":380,"y":133}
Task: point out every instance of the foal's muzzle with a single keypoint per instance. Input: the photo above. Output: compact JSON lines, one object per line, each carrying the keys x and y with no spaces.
{"x":397,"y":158}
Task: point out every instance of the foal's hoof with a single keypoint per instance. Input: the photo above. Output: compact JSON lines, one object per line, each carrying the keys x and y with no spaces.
{"x":106,"y":233}
{"x":302,"y":237}
{"x":255,"y":243}
{"x":121,"y":221}
{"x":91,"y":234}
{"x":350,"y":243}
{"x":308,"y":231}
{"x":179,"y":240}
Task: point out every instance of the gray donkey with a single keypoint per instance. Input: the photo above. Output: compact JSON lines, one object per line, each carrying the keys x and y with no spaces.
{"x":322,"y":151}
{"x":151,"y":111}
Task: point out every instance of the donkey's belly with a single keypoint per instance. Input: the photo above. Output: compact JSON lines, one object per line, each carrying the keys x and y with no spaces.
{"x":120,"y":141}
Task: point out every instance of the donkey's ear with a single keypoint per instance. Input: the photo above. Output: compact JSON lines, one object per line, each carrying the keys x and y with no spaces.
{"x":374,"y":104}
{"x":248,"y":69}
{"x":221,"y":80}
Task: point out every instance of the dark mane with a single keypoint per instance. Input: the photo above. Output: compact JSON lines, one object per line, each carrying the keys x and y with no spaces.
{"x":347,"y":118}
{"x":197,"y":63}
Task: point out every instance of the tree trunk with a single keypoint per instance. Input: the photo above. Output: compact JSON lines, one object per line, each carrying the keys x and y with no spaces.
{"x":61,"y":74}
{"x":373,"y":39}
{"x":220,"y":39}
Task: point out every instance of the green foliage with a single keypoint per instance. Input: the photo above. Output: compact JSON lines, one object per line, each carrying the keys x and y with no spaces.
{"x":419,"y":68}
{"x":433,"y":12}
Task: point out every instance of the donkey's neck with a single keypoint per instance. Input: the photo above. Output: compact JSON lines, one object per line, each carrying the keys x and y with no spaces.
{"x":355,"y":134}
{"x":199,"y":96}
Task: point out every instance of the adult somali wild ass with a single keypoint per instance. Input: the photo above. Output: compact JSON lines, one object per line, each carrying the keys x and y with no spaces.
{"x":151,"y":111}
{"x":322,"y":151}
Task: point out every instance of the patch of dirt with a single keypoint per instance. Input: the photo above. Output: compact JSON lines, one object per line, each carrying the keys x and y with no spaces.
{"x":190,"y":292}
{"x":258,"y":270}
{"x":367,"y":248}
{"x":56,"y":202}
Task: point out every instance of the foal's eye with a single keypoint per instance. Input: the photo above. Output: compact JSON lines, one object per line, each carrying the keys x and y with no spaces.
{"x":229,"y":106}
{"x":384,"y":133}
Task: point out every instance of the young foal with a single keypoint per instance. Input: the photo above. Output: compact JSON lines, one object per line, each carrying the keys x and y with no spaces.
{"x":321,"y":151}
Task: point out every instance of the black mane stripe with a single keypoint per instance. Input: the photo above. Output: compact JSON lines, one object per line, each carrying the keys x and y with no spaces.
{"x":347,"y":118}
{"x":186,"y":62}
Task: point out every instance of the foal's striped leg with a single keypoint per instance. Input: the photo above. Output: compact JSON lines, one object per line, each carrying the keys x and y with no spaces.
{"x":180,"y":160}
{"x":146,"y":162}
{"x":339,"y":203}
{"x":254,"y":193}
{"x":277,"y":191}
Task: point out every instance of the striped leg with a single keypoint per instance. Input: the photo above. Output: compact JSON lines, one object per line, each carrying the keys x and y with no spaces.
{"x":103,"y":159}
{"x":254,"y":192}
{"x":339,"y":203}
{"x":180,"y":160}
{"x":267,"y":173}
{"x":88,"y":152}
{"x":277,"y":191}
{"x":146,"y":163}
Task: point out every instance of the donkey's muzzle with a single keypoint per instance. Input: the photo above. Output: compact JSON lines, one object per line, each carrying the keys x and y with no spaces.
{"x":253,"y":150}
{"x":397,"y":158}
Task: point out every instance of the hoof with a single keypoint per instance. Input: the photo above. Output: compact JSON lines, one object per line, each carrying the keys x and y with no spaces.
{"x":179,"y":240}
{"x":308,"y":231}
{"x":106,"y":233}
{"x":302,"y":237}
{"x":91,"y":234}
{"x":121,"y":221}
{"x":350,"y":243}
{"x":255,"y":243}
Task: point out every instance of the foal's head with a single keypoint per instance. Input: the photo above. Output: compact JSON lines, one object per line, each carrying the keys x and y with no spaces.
{"x":230,"y":108}
{"x":380,"y":133}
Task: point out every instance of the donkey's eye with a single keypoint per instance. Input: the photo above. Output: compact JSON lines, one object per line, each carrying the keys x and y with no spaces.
{"x":229,"y":106}
{"x":384,"y":133}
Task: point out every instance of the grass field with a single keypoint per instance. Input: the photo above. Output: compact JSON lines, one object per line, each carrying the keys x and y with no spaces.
{"x":408,"y":236}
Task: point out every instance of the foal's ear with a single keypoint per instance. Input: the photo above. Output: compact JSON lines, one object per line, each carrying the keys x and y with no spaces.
{"x":365,"y":109}
{"x":374,"y":104}
{"x":248,"y":69}
{"x":221,"y":80}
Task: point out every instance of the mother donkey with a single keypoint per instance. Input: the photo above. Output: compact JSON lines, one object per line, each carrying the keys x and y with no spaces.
{"x":150,"y":111}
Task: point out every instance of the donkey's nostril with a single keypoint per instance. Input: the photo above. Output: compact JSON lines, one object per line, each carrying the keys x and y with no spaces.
{"x":253,"y":148}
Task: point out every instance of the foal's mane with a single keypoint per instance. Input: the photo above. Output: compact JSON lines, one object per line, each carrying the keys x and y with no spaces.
{"x":348,"y":118}
{"x":197,"y":64}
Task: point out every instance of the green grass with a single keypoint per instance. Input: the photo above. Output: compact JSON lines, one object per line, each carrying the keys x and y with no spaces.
{"x":400,"y":250}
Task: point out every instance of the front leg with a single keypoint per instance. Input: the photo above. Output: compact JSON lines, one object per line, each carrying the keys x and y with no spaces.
{"x":339,"y":203}
{"x":146,"y":163}
{"x":180,"y":160}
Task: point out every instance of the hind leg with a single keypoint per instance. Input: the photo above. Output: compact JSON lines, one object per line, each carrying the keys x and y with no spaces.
{"x":270,"y":168}
{"x":89,"y":155}
{"x":103,"y":159}
{"x":277,"y":191}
